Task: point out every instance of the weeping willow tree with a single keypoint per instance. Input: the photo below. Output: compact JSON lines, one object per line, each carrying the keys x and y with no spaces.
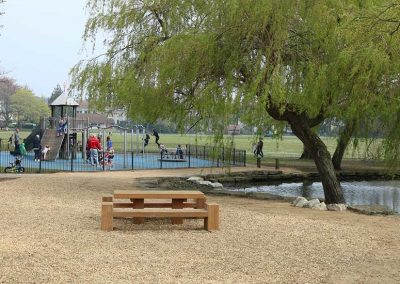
{"x":201,"y":62}
{"x":375,"y":37}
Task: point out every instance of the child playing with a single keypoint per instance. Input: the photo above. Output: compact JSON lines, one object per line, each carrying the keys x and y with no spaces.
{"x":44,"y":151}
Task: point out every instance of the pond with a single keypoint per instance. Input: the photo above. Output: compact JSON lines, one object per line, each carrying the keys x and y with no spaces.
{"x":356,"y":193}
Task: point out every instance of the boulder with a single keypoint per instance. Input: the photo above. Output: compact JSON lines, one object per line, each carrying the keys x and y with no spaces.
{"x":337,"y":207}
{"x":313,"y":203}
{"x":321,"y":206}
{"x":298,"y":198}
{"x":204,"y":182}
{"x":216,"y":185}
{"x":195,"y":179}
{"x":302,"y":203}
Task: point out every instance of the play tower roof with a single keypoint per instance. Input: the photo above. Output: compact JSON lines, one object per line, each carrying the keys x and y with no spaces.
{"x":64,"y":100}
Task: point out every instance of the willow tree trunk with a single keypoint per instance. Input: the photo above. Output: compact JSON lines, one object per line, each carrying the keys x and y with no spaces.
{"x":306,"y":155}
{"x":343,"y":142}
{"x":322,"y":158}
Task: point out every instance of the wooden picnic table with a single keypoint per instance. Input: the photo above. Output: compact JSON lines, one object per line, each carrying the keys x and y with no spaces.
{"x":176,"y":204}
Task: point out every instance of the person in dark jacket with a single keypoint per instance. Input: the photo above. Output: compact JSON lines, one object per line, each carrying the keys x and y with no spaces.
{"x":259,"y":148}
{"x":146,"y":140}
{"x":36,"y":147}
{"x":155,"y":133}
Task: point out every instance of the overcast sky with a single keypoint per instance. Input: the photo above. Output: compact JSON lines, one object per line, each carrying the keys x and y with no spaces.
{"x":40,"y":41}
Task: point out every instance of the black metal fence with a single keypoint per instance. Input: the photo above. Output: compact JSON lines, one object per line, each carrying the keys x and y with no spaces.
{"x":192,"y":156}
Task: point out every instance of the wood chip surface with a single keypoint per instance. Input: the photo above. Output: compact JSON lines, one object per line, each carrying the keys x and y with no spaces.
{"x":50,"y":233}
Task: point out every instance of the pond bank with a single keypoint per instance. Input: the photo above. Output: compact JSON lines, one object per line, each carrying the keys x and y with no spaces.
{"x":252,"y":178}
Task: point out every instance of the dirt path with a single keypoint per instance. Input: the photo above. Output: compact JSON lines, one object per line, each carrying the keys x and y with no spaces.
{"x":50,"y":233}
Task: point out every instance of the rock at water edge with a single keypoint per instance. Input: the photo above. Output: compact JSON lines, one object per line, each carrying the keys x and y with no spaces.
{"x":336,"y":207}
{"x":302,"y":203}
{"x":216,"y":185}
{"x":204,"y":182}
{"x":321,"y":206}
{"x":195,"y":179}
{"x":299,"y":198}
{"x":312,"y":203}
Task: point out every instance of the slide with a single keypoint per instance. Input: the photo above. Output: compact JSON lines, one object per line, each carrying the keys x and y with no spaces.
{"x":50,"y":138}
{"x":29,"y":140}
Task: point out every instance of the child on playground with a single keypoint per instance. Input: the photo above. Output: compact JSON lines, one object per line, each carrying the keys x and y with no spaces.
{"x":61,"y":127}
{"x":179,"y":152}
{"x":163,"y":150}
{"x":109,"y":156}
{"x":44,"y":151}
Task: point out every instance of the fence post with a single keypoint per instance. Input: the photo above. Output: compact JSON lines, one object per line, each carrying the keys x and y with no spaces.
{"x":40,"y":162}
{"x":104,"y":158}
{"x":132,"y":158}
{"x":276,"y":163}
{"x":189,"y":156}
{"x":72,"y":164}
{"x":244,"y":159}
{"x":234,"y":156}
{"x":161,"y":159}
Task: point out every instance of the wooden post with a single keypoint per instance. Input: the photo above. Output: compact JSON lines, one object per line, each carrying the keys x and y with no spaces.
{"x":277,"y":164}
{"x":107,"y":216}
{"x":138,"y":204}
{"x":258,"y":162}
{"x":200,"y":203}
{"x":107,"y":198}
{"x":177,"y":204}
{"x":211,"y":223}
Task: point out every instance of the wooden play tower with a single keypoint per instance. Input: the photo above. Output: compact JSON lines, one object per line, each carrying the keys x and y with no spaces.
{"x":64,"y":145}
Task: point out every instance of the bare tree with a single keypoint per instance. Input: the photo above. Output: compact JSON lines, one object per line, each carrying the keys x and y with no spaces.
{"x":7,"y":88}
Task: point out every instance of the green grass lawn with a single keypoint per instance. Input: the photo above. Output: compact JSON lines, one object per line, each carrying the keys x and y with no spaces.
{"x":287,"y":147}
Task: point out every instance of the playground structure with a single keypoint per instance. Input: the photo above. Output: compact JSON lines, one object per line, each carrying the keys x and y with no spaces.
{"x":68,"y":143}
{"x":68,"y":147}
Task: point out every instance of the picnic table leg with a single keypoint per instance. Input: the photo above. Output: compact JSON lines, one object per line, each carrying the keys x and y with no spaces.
{"x":211,"y":223}
{"x":200,"y":203}
{"x":107,"y":216}
{"x":177,"y":204}
{"x":138,"y":204}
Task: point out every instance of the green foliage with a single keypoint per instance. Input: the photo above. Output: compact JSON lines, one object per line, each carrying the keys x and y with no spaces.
{"x":27,"y":107}
{"x":205,"y":63}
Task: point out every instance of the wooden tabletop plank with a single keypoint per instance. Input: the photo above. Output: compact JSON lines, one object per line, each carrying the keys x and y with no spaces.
{"x":158,"y":194}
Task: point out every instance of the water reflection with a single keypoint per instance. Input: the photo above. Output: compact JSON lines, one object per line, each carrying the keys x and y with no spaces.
{"x":356,"y":193}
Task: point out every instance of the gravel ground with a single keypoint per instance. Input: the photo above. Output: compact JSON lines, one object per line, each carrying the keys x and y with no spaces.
{"x":50,"y":232}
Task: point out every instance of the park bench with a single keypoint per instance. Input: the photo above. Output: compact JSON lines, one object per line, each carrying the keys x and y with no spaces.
{"x":177,"y":205}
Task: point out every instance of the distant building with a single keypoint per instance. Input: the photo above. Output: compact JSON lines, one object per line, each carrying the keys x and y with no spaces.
{"x":233,"y":129}
{"x":118,"y":116}
{"x":96,"y":119}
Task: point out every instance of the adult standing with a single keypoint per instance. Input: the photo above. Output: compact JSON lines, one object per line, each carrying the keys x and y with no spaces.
{"x":93,"y":144}
{"x":16,"y":139}
{"x":36,"y":147}
{"x":155,"y":134}
{"x":259,"y":150}
{"x":146,"y":140}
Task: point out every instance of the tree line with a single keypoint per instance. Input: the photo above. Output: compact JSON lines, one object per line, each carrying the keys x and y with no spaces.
{"x":19,"y":104}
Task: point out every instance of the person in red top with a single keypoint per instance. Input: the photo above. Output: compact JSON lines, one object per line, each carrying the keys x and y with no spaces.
{"x":93,"y":145}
